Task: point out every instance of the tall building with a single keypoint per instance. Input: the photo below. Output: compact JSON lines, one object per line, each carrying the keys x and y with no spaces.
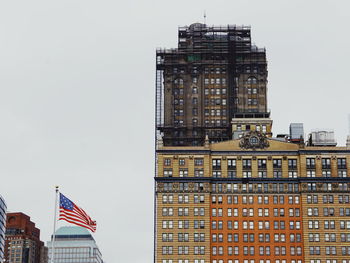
{"x":74,"y":245}
{"x":215,"y":74}
{"x":2,"y":227}
{"x":23,"y":242}
{"x":252,"y":197}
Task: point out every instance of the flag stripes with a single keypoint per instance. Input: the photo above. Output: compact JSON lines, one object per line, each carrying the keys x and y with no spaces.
{"x":74,"y":214}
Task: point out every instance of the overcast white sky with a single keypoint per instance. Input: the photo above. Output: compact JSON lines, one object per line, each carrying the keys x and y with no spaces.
{"x":77,"y":98}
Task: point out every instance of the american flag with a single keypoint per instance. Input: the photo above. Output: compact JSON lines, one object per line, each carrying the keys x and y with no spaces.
{"x":74,"y":214}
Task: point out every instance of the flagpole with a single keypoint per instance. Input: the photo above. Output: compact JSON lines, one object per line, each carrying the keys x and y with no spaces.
{"x":54,"y":228}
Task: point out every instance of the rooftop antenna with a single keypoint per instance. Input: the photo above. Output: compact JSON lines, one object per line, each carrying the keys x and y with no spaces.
{"x":205,"y":17}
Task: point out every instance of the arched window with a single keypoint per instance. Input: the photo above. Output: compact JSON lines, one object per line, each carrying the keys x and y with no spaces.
{"x":252,"y":80}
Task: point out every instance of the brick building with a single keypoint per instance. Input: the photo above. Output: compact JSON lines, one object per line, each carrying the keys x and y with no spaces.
{"x":252,"y":198}
{"x":23,"y":242}
{"x":215,"y":74}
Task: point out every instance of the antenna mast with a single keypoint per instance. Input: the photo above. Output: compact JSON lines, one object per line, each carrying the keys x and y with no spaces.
{"x":205,"y":17}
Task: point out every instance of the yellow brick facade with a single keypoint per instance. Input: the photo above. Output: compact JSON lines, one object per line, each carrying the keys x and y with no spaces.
{"x":292,"y":174}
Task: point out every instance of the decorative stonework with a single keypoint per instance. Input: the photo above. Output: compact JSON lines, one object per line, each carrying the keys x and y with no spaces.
{"x":254,"y":140}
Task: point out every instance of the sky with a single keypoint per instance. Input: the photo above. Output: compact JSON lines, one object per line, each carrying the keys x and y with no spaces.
{"x":77,"y":98}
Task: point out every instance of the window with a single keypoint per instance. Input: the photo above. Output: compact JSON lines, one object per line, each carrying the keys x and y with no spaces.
{"x":247,"y":174}
{"x":167,"y":224}
{"x":328,"y":211}
{"x":168,"y":172}
{"x":341,"y":163}
{"x":310,"y":173}
{"x":183,"y":237}
{"x":231,"y":174}
{"x":331,"y":250}
{"x":314,"y":250}
{"x":326,"y":173}
{"x":326,"y":163}
{"x":277,"y":174}
{"x":328,"y":199}
{"x":198,"y":172}
{"x":292,"y":164}
{"x":252,"y":80}
{"x":216,"y":163}
{"x":262,"y":174}
{"x":220,"y":224}
{"x":219,"y":211}
{"x":311,"y":186}
{"x":198,"y":161}
{"x":330,"y":224}
{"x":183,"y":211}
{"x":182,"y":162}
{"x":231,"y":164}
{"x":329,"y":237}
{"x":247,"y":163}
{"x":292,"y":174}
{"x":342,"y":173}
{"x":183,"y":250}
{"x":277,"y":163}
{"x":310,"y":163}
{"x":167,"y":211}
{"x":266,"y":212}
{"x":343,"y":199}
{"x":183,"y":173}
{"x":216,"y":174}
{"x":167,"y":250}
{"x":262,"y":163}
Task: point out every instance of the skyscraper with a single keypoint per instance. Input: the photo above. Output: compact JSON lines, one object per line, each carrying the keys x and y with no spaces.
{"x":215,"y":74}
{"x":246,"y":197}
{"x":23,"y":242}
{"x":2,"y":227}
{"x":74,"y":244}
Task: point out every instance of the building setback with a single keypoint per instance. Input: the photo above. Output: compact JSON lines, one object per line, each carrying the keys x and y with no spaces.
{"x":247,"y":197}
{"x":23,"y":242}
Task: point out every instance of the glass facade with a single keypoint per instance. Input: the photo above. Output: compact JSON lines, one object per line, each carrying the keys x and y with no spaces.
{"x":2,"y":227}
{"x":74,"y":245}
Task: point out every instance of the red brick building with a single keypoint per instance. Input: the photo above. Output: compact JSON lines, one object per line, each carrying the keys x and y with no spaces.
{"x":23,"y":242}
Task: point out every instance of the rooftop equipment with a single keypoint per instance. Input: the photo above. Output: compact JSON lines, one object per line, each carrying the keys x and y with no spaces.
{"x":322,"y":138}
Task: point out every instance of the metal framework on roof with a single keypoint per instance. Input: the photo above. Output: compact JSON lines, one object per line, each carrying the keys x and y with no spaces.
{"x":201,"y":50}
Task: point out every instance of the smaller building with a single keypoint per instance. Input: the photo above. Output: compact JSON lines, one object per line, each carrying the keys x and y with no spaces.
{"x":322,"y":138}
{"x":22,"y":243}
{"x":74,"y":244}
{"x":296,"y":132}
{"x":2,"y":227}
